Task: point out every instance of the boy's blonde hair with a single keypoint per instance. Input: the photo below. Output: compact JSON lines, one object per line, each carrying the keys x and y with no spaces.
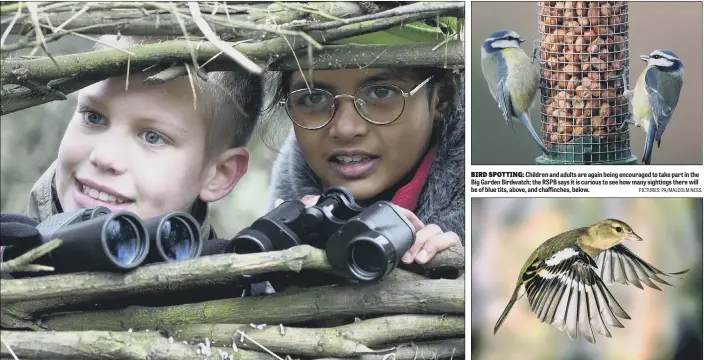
{"x":232,"y":100}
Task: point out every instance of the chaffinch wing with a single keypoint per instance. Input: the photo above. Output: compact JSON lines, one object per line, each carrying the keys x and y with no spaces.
{"x":565,"y":279}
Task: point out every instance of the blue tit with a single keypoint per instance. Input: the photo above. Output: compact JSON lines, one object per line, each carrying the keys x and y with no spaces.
{"x":655,"y":96}
{"x":512,"y":78}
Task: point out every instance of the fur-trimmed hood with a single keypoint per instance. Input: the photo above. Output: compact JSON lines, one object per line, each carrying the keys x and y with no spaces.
{"x":442,"y":200}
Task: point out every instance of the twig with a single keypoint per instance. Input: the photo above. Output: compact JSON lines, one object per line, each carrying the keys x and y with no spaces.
{"x":260,"y":345}
{"x":190,"y":80}
{"x":172,"y":72}
{"x":408,"y":297}
{"x":128,"y":52}
{"x":298,"y":64}
{"x":308,"y":9}
{"x":127,"y":77}
{"x":41,"y":41}
{"x":237,"y":56}
{"x":73,"y":17}
{"x":392,"y":12}
{"x":12,"y":23}
{"x":185,"y":34}
{"x":8,"y":348}
{"x":350,"y":340}
{"x":221,"y":52}
{"x":23,"y":262}
{"x":94,"y":67}
{"x":119,"y":345}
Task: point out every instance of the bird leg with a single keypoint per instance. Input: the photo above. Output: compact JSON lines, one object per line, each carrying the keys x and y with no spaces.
{"x":626,"y":92}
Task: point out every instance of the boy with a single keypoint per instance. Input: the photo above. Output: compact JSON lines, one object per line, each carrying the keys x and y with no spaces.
{"x":148,"y":150}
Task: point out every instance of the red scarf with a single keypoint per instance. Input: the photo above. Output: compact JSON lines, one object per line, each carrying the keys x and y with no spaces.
{"x":407,"y":196}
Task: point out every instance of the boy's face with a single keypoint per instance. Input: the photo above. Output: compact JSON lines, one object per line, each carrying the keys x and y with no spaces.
{"x":141,"y":150}
{"x":390,"y":151}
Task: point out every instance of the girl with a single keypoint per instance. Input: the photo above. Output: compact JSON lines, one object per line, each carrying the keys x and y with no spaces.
{"x":385,"y":134}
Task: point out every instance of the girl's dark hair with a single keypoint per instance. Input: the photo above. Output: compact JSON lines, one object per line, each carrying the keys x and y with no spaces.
{"x":445,"y":82}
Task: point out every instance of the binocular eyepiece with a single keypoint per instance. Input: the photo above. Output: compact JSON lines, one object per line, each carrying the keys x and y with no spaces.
{"x":364,"y":243}
{"x":174,"y":236}
{"x":99,"y":240}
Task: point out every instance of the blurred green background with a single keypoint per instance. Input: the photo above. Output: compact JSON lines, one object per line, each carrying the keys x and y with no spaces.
{"x":29,"y":143}
{"x":664,"y":325}
{"x":653,"y":25}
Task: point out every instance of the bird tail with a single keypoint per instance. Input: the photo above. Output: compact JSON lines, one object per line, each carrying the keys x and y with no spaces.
{"x":526,"y":122}
{"x":649,"y":142}
{"x":503,"y":316}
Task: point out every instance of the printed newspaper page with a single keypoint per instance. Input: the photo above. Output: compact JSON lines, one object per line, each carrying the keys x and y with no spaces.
{"x":585,"y":180}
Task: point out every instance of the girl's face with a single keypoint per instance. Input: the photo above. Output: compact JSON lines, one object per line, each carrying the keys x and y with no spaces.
{"x":350,"y":151}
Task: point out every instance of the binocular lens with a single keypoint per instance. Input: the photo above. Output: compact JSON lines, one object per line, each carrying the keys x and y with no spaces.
{"x":176,"y":239}
{"x":123,"y":240}
{"x":248,"y":247}
{"x":365,"y":257}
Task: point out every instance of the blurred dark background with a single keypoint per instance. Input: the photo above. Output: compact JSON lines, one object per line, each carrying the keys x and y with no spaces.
{"x":664,"y":324}
{"x":653,"y":25}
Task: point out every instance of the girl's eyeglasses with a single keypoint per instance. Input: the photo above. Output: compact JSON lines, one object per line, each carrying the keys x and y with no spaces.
{"x":379,"y":104}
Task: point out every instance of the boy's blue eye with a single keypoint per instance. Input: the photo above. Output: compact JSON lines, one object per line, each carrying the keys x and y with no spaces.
{"x":152,"y":137}
{"x":93,"y":118}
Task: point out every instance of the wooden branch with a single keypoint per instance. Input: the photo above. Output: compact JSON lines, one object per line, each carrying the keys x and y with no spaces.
{"x":343,"y":341}
{"x":103,"y":345}
{"x":112,"y":61}
{"x":167,"y":295}
{"x":150,"y":345}
{"x":173,"y":275}
{"x":24,"y":261}
{"x":79,"y":70}
{"x":449,"y":258}
{"x":387,"y":13}
{"x":140,"y":19}
{"x":410,"y":297}
{"x":374,"y":55}
{"x":441,"y":349}
{"x":159,"y":294}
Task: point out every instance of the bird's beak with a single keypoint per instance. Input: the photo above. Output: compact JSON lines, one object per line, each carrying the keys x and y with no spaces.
{"x":521,"y":40}
{"x":634,"y":237}
{"x":645,"y":57}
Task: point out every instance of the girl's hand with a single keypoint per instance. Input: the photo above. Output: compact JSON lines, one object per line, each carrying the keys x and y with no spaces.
{"x":309,"y":200}
{"x":430,"y":240}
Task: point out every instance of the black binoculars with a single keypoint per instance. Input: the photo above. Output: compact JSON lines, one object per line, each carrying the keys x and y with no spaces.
{"x":99,"y":240}
{"x":363,"y":243}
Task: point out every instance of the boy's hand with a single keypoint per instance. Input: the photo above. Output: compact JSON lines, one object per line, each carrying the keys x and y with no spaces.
{"x":16,"y":229}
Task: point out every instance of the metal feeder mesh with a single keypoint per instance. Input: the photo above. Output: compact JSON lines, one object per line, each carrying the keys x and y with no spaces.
{"x":583,"y":55}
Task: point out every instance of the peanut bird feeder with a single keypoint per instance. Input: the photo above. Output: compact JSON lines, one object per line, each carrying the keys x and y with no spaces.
{"x":583,"y":56}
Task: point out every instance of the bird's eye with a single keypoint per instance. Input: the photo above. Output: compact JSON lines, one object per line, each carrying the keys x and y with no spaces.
{"x":656,"y":56}
{"x":619,"y":229}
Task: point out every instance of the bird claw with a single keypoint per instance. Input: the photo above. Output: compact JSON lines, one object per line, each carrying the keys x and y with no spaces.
{"x":536,"y":46}
{"x":627,"y":121}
